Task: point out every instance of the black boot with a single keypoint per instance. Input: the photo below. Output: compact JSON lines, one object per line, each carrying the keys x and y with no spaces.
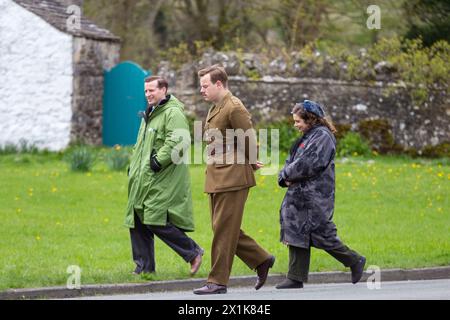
{"x":290,"y":284}
{"x":358,"y":270}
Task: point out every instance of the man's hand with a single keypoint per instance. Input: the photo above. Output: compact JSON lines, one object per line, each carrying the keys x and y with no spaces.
{"x":258,"y":165}
{"x":287,"y":183}
{"x":154,"y":163}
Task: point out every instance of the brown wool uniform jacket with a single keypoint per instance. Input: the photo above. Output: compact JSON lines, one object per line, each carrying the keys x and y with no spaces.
{"x":230,"y":162}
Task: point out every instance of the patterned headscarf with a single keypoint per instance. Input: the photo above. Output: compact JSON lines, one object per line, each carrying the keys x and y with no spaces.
{"x":314,"y":108}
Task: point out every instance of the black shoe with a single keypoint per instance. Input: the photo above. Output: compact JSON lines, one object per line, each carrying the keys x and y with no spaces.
{"x":289,"y":284}
{"x":358,"y":270}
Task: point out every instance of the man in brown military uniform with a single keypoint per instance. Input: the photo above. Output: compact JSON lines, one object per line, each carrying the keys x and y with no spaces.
{"x":229,"y":175}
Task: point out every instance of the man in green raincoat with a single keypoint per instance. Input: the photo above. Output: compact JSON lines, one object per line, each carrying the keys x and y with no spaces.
{"x":159,"y":188}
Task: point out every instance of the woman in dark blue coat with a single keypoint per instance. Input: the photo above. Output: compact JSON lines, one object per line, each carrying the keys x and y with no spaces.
{"x":307,"y":209}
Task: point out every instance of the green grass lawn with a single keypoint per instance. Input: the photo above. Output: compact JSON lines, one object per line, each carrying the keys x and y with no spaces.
{"x":394,"y":211}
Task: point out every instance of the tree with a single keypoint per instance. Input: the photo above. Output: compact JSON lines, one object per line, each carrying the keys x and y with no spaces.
{"x":299,"y":21}
{"x":428,"y":19}
{"x":133,"y":21}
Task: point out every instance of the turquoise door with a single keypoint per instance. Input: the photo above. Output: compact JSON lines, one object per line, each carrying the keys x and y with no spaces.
{"x":123,"y":98}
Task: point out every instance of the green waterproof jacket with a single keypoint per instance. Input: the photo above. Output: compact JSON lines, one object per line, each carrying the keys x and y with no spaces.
{"x":163,"y":196}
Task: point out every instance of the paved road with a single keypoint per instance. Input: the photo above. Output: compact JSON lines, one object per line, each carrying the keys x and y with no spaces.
{"x":399,"y":290}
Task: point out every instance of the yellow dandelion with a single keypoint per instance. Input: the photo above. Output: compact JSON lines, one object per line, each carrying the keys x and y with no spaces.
{"x":17,"y":198}
{"x":439,"y":209}
{"x":106,"y":220}
{"x":117,"y":147}
{"x":440,"y":174}
{"x":349,"y":174}
{"x":38,"y":238}
{"x":58,"y":223}
{"x":260,"y":230}
{"x":18,"y":210}
{"x":355,"y":154}
{"x":54,"y":189}
{"x":88,"y":174}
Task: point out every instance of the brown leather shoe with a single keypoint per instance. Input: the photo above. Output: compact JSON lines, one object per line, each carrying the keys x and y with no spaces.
{"x":195,"y":263}
{"x":211,"y":288}
{"x":263,"y":270}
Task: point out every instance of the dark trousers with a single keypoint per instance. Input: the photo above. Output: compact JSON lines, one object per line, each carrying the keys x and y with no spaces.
{"x":299,"y":259}
{"x":143,"y":247}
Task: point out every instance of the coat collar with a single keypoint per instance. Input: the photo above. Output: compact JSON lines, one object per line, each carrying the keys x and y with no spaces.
{"x":216,"y":108}
{"x":312,"y":130}
{"x":301,"y":139}
{"x":164,"y":104}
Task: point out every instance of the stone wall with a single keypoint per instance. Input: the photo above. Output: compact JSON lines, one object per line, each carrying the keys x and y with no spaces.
{"x":348,"y":103}
{"x":90,"y":59}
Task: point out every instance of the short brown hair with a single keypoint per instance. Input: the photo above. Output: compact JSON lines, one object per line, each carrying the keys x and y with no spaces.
{"x":162,"y":83}
{"x":216,"y":72}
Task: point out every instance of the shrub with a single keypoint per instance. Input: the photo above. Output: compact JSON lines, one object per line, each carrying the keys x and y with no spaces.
{"x":9,"y":149}
{"x":352,"y":144}
{"x":81,"y":159}
{"x":287,"y":133}
{"x":439,"y":151}
{"x":341,"y":130}
{"x":23,"y":147}
{"x":378,"y":133}
{"x":117,"y":158}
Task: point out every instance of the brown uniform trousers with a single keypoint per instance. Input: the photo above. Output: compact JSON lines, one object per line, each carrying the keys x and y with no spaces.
{"x":228,"y":187}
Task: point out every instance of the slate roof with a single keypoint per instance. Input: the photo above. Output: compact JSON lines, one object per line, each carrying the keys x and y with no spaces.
{"x":55,"y":13}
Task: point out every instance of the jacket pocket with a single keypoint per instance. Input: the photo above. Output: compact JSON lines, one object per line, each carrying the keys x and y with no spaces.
{"x":223,"y":165}
{"x":229,"y":175}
